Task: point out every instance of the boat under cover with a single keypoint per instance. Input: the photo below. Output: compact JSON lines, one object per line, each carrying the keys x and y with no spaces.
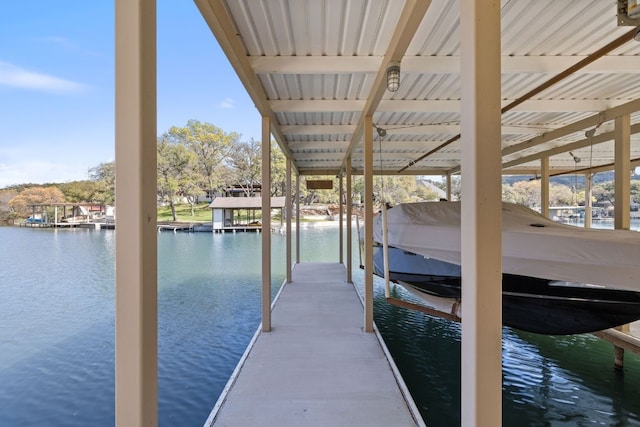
{"x":557,"y":279}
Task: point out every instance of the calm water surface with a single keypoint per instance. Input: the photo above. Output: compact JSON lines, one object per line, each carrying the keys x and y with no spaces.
{"x":57,"y":333}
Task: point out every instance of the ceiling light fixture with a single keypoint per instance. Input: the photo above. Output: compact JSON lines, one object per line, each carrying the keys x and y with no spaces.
{"x":575,"y":158}
{"x":381,"y":132}
{"x":393,"y":76}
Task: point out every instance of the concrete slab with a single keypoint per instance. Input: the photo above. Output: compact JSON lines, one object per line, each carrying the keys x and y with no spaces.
{"x":316,"y":367}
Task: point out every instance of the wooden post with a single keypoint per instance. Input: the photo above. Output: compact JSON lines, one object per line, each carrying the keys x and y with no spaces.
{"x":136,"y":327}
{"x":266,"y":224}
{"x":349,"y":222}
{"x":481,"y":214}
{"x":544,"y":186}
{"x":297,"y":218}
{"x":340,"y":225}
{"x":368,"y":224}
{"x":288,"y":215}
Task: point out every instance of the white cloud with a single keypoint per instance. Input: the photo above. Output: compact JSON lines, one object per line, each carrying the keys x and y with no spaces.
{"x":11,"y":75}
{"x":227,"y":103}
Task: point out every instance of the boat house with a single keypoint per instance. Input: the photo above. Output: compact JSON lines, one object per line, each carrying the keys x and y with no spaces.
{"x":240,"y":213}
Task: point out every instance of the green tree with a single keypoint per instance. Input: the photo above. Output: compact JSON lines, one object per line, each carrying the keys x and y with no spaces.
{"x":245,"y":164}
{"x":176,"y":174}
{"x":209,"y":143}
{"x":104,"y":177}
{"x":278,"y":170}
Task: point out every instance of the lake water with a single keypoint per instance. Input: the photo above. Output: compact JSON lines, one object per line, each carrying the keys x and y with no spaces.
{"x":57,"y":334}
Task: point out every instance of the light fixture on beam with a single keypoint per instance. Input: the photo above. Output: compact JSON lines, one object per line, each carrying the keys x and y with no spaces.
{"x":393,"y":76}
{"x":575,"y":158}
{"x":381,"y":132}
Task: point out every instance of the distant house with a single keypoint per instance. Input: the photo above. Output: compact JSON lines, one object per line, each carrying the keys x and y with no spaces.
{"x":239,"y":213}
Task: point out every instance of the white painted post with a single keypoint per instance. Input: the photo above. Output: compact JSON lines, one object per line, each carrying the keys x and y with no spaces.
{"x":368,"y":224}
{"x":349,"y":222}
{"x":481,"y":214}
{"x":622,"y":173}
{"x":340,"y":221}
{"x":622,"y":193}
{"x":136,"y":328}
{"x":266,"y":224}
{"x":544,"y":186}
{"x":288,"y":214}
{"x":297,"y":218}
{"x":588,"y":211}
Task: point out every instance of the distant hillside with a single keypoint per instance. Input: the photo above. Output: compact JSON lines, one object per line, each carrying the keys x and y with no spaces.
{"x":568,"y":180}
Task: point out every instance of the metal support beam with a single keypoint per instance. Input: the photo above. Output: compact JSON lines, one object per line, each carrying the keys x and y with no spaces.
{"x":136,"y":342}
{"x":288,"y":210}
{"x":622,"y":174}
{"x":368,"y":224}
{"x":266,"y":224}
{"x":481,"y":214}
{"x":349,"y":198}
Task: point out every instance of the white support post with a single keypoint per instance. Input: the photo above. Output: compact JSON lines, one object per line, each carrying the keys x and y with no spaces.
{"x":266,"y":224}
{"x":481,"y":214}
{"x":287,"y":208}
{"x":544,"y":186}
{"x":368,"y":224}
{"x":136,"y":345}
{"x":340,"y":221}
{"x":349,"y":222}
{"x":622,"y":173}
{"x":588,"y":203}
{"x":297,"y":218}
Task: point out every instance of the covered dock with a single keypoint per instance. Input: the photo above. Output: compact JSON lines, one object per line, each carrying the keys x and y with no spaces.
{"x":316,"y":367}
{"x":240,"y":213}
{"x":474,"y":87}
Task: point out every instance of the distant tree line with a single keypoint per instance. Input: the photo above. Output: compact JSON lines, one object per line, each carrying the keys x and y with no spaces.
{"x":201,"y":158}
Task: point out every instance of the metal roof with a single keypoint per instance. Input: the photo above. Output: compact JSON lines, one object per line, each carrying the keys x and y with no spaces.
{"x":317,"y":68}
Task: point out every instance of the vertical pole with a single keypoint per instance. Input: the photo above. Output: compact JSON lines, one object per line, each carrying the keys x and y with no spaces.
{"x":448,"y":186}
{"x":287,"y":207}
{"x":266,"y":224}
{"x":368,"y":224}
{"x":136,"y":345}
{"x":481,"y":219}
{"x":622,"y":172}
{"x":349,"y":222}
{"x":340,"y":225}
{"x":588,"y":211}
{"x":622,"y":192}
{"x":297,"y":218}
{"x":544,"y":186}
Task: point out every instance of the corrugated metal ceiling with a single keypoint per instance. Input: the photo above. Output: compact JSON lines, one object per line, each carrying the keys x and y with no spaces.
{"x":313,"y":67}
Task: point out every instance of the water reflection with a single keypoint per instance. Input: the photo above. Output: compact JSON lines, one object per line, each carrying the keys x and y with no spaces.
{"x":547,"y":381}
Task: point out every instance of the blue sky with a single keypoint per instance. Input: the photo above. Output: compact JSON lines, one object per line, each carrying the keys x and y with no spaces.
{"x":57,"y":85}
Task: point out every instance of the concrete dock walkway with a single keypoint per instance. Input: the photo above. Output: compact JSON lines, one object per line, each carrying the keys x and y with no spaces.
{"x":316,"y":367}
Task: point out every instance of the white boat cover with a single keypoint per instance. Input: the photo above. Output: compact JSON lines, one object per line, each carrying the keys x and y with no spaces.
{"x":532,"y":245}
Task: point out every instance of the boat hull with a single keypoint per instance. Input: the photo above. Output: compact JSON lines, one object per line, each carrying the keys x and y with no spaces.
{"x":531,"y":304}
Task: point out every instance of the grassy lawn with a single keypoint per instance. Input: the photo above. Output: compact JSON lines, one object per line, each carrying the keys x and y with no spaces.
{"x":183,"y":211}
